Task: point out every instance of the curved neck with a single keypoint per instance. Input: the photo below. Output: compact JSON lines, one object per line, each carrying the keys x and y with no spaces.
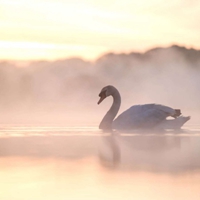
{"x":106,"y":123}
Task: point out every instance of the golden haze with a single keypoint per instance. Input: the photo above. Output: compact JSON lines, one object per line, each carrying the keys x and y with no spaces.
{"x":59,"y":29}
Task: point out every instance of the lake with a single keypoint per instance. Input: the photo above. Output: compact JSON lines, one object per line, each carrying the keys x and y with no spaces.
{"x":81,"y":162}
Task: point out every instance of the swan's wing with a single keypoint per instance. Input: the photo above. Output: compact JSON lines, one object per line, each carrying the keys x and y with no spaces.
{"x":142,"y":116}
{"x":173,"y":123}
{"x":169,"y":111}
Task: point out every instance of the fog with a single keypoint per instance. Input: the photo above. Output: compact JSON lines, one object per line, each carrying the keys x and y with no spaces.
{"x":67,"y":90}
{"x":50,"y":143}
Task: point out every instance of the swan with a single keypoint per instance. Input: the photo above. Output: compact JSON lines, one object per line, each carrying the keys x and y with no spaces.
{"x":138,"y":116}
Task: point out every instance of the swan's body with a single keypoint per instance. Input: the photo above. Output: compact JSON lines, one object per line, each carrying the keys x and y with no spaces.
{"x":139,"y":116}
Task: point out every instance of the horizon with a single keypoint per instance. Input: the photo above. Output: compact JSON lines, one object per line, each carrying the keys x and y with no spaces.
{"x":52,"y":30}
{"x":24,"y":62}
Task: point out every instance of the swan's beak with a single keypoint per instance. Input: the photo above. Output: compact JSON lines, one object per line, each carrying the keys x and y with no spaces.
{"x":102,"y":97}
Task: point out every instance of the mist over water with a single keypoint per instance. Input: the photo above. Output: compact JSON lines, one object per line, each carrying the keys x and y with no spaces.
{"x":50,"y":144}
{"x":70,"y":88}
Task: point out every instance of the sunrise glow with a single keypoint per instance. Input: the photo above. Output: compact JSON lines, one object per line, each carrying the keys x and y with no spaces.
{"x":59,"y":29}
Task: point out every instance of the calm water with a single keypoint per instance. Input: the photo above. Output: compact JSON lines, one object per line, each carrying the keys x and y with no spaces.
{"x":59,"y":162}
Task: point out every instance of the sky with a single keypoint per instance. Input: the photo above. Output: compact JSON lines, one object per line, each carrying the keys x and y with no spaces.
{"x":57,"y":29}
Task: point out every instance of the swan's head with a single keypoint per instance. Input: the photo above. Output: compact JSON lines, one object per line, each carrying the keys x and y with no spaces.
{"x":105,"y":92}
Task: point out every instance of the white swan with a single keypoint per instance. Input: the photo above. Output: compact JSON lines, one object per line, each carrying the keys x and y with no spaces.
{"x":138,"y":116}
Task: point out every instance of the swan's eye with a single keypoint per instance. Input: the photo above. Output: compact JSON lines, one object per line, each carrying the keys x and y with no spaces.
{"x":102,"y":94}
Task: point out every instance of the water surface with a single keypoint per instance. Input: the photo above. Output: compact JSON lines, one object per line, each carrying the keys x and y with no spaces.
{"x":81,"y":162}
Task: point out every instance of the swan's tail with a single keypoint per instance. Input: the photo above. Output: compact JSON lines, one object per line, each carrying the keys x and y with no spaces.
{"x":176,"y":123}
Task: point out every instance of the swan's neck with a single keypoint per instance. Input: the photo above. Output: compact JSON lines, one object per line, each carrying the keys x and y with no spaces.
{"x":106,"y":123}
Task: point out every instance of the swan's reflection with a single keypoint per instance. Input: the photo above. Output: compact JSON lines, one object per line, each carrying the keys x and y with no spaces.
{"x":164,"y":152}
{"x":168,"y":151}
{"x":113,"y":149}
